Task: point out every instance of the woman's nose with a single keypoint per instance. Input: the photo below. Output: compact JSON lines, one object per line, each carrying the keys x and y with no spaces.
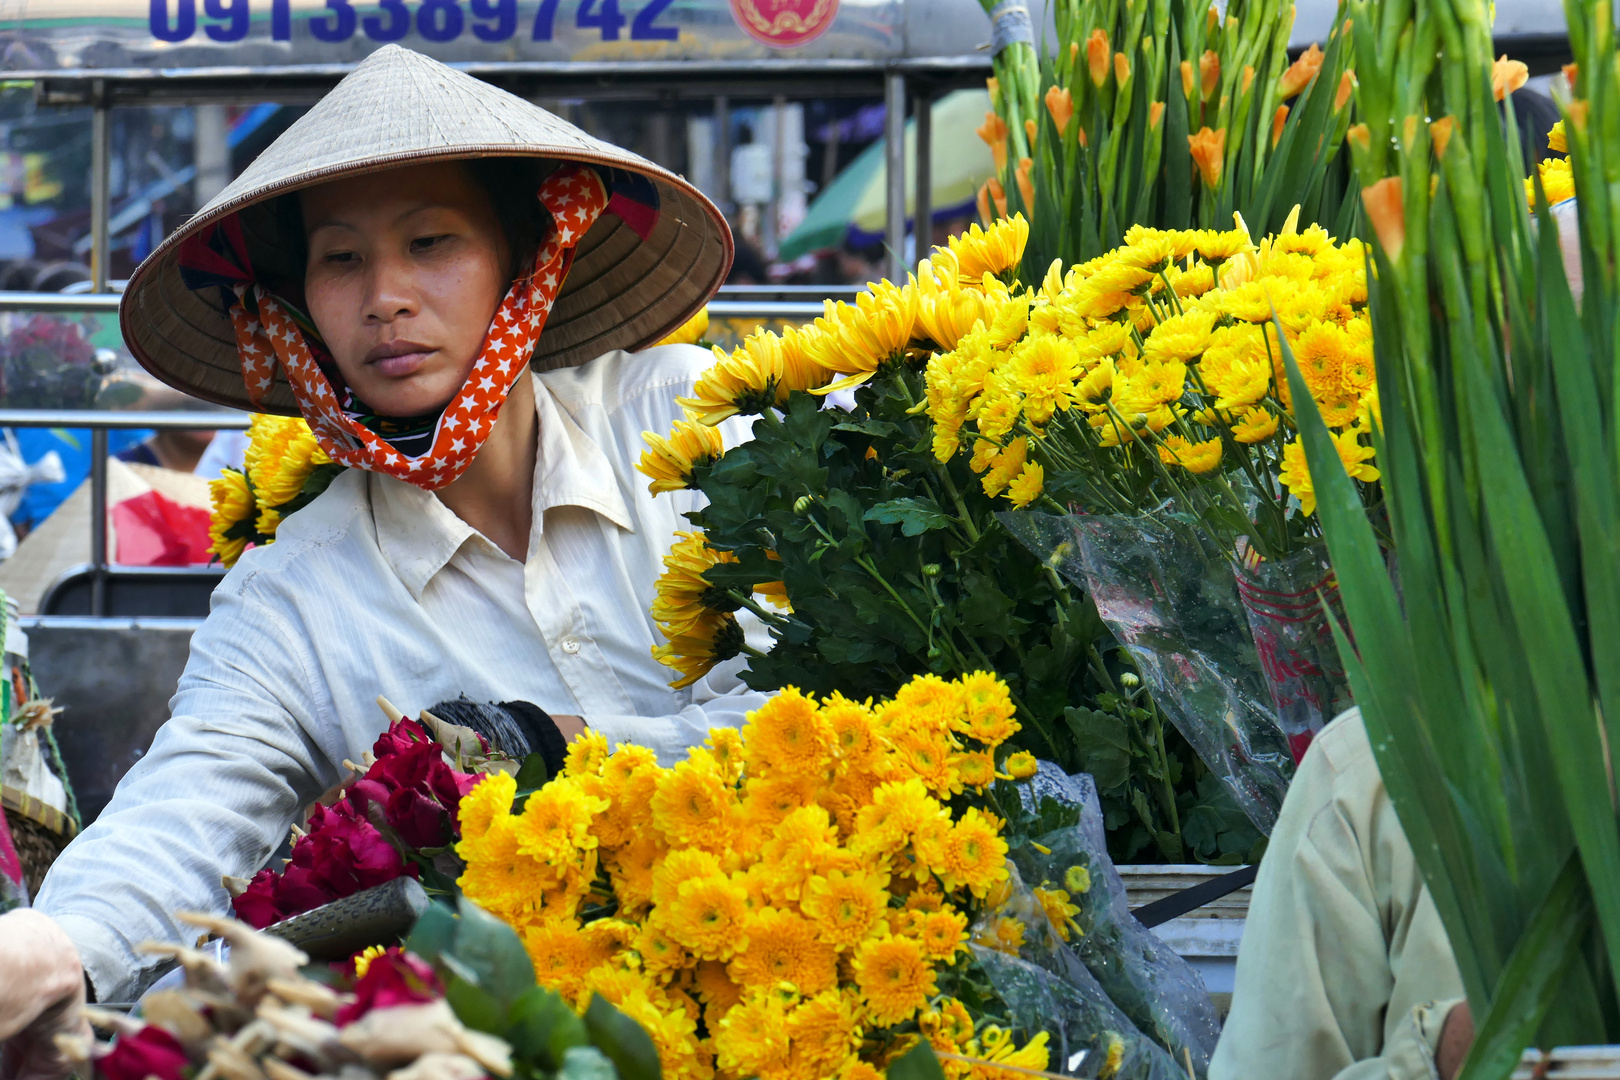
{"x":391,"y":292}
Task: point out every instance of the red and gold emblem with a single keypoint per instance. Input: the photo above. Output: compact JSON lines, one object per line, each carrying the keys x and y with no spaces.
{"x":784,"y":24}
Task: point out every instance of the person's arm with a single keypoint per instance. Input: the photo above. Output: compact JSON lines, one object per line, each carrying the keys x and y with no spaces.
{"x":719,"y":699}
{"x":215,"y":795}
{"x":41,"y":991}
{"x":1344,"y":971}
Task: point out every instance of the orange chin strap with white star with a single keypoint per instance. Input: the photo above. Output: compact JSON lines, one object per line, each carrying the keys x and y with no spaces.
{"x":575,"y":196}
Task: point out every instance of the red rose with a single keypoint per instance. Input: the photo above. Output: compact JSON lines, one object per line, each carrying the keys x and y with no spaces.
{"x":394,"y":978}
{"x":400,"y":736}
{"x":346,"y":853}
{"x":151,"y":1051}
{"x":257,"y":904}
{"x":418,"y":792}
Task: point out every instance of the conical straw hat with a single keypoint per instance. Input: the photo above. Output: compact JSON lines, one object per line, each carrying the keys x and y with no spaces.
{"x":401,"y":108}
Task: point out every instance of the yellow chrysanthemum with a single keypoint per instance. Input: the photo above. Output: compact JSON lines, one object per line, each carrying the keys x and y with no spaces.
{"x":752,"y":1037}
{"x":784,"y":947}
{"x":845,"y":906}
{"x":694,"y":651}
{"x":1077,"y":879}
{"x":556,"y":821}
{"x":233,"y":505}
{"x":824,"y":1030}
{"x":684,"y":595}
{"x":1557,"y":180}
{"x":706,"y":915}
{"x":693,"y":806}
{"x":988,"y":710}
{"x":863,"y":337}
{"x":689,"y":332}
{"x":1199,"y":457}
{"x":942,"y":933}
{"x":744,"y":381}
{"x":894,"y":977}
{"x":1044,"y":370}
{"x":899,"y":810}
{"x":670,"y":461}
{"x":990,"y":251}
{"x":1255,"y":425}
{"x":1022,"y":765}
{"x":1056,"y":904}
{"x":491,"y":798}
{"x":788,"y":736}
{"x":970,"y":854}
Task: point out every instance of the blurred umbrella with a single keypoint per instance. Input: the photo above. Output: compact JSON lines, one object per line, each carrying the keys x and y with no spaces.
{"x":961,"y":162}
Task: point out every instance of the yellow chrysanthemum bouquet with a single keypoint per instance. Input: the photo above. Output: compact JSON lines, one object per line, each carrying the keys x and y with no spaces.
{"x":1163,"y":114}
{"x":806,"y":898}
{"x":284,"y":470}
{"x":1142,"y":406}
{"x":871,"y":559}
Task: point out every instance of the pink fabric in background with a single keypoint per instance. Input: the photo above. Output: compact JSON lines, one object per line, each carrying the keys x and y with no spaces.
{"x":154,"y":530}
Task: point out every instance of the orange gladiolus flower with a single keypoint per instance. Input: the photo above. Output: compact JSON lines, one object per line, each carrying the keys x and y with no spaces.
{"x":1155,"y":114}
{"x":1347,"y":84}
{"x":1301,"y":72}
{"x":1386,"y":209}
{"x":1278,"y":119}
{"x":1507,"y":76}
{"x":1209,"y":153}
{"x":1097,"y":50}
{"x":1187,"y":82}
{"x":993,"y":192}
{"x":1026,"y":184}
{"x":1209,"y":69}
{"x":994,"y":132}
{"x":1122,"y":68}
{"x":1060,"y":103}
{"x":1440,"y":132}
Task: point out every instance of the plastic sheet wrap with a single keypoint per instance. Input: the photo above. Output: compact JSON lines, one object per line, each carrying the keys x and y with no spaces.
{"x":1153,"y":986}
{"x":1174,"y":604}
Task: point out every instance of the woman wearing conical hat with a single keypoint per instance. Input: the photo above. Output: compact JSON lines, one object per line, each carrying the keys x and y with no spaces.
{"x":449,"y":284}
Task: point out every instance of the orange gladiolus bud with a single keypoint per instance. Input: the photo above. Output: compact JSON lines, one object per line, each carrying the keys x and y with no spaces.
{"x":998,"y":195}
{"x":993,"y":84}
{"x":1248,"y":79}
{"x":994,"y":132}
{"x":1579,"y":113}
{"x":983,"y":199}
{"x":1301,"y":72}
{"x":1347,"y":84}
{"x":1570,"y":71}
{"x":1409,"y":129}
{"x":1029,"y":131}
{"x":1360,"y":136}
{"x":1507,"y":76}
{"x":1187,"y":80}
{"x":1074,"y":51}
{"x":1060,"y":103}
{"x":1440,"y":132}
{"x":1387,"y":212}
{"x":1209,"y":69}
{"x":1083,"y":140}
{"x":1278,"y":119}
{"x":1212,"y":19}
{"x":1097,"y":50}
{"x":1122,"y":68}
{"x":1155,"y":114}
{"x":1026,"y":185}
{"x":1208,"y":150}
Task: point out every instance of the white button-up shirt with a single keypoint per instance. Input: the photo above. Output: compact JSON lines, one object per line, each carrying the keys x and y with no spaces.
{"x":378,"y":588}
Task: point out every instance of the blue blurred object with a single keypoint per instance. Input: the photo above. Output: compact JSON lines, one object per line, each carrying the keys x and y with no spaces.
{"x":41,"y":500}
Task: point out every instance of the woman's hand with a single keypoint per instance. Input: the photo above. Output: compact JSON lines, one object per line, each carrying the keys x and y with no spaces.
{"x":1456,"y":1039}
{"x":41,"y":992}
{"x":572,"y":727}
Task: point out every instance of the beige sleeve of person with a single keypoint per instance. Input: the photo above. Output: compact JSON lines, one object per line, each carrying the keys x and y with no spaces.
{"x":1344,"y":972}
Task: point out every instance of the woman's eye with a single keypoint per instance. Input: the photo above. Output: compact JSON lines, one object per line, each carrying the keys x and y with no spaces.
{"x":423,"y":243}
{"x":338,"y":257}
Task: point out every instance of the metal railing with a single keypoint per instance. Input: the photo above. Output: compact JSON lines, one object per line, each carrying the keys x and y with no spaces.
{"x":763,"y":302}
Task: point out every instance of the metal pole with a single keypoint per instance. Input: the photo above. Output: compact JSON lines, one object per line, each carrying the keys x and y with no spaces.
{"x":100,"y":188}
{"x":773,"y":228}
{"x":722,"y":153}
{"x":922,"y":203}
{"x":894,"y":161}
{"x":98,"y":521}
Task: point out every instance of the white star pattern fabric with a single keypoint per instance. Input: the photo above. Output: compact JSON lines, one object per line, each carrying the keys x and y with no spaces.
{"x":276,"y":338}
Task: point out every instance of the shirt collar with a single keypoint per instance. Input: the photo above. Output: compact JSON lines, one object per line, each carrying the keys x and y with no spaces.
{"x":417,"y":534}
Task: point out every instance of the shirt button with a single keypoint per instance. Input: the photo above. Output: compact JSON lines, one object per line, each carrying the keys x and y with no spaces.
{"x":570,"y":645}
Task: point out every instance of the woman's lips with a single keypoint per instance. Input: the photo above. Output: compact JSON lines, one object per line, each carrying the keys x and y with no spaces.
{"x":398,"y":359}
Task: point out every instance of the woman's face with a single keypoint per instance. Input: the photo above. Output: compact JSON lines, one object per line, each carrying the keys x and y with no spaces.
{"x":405,"y":271}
